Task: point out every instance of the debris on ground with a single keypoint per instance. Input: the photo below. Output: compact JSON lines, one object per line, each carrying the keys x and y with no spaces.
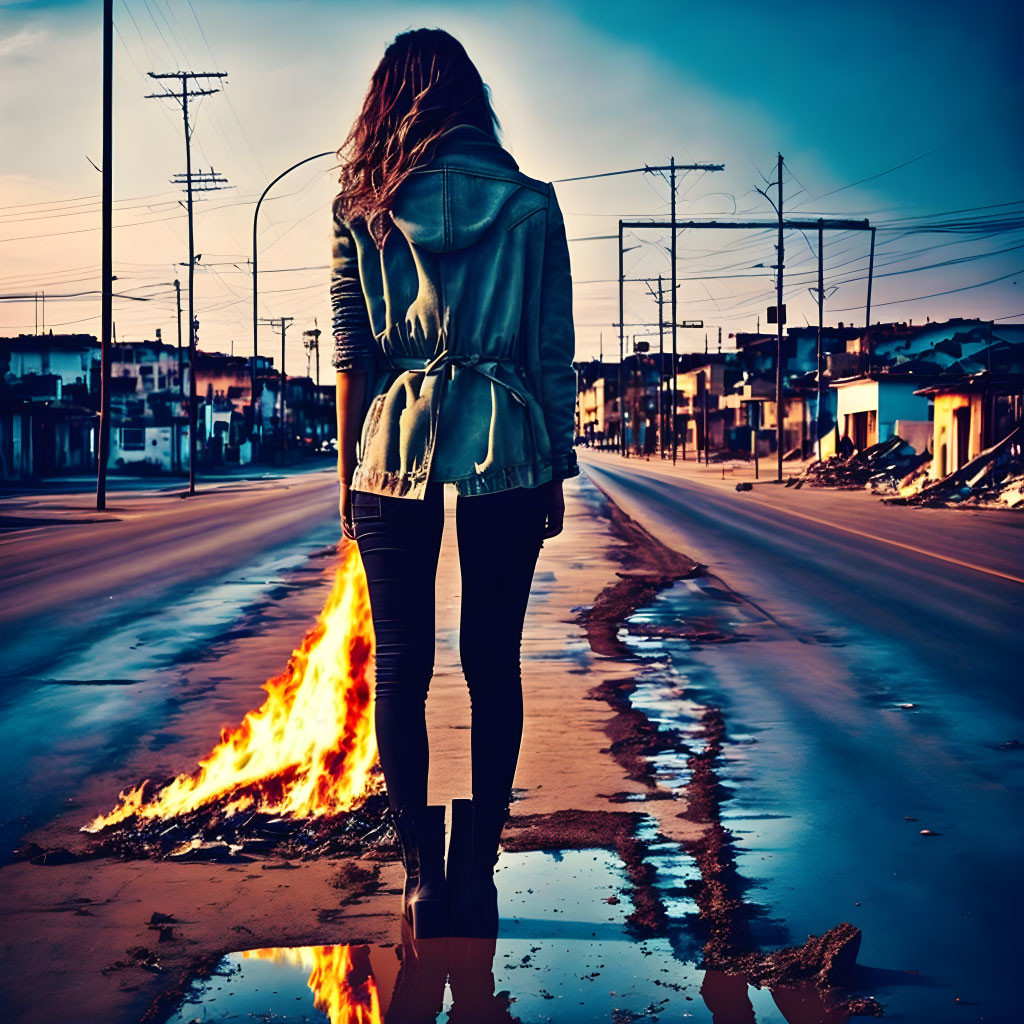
{"x":214,"y":834}
{"x":881,"y":467}
{"x":995,"y":478}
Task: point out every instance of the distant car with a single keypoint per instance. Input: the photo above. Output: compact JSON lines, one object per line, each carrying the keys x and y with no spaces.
{"x":329,"y":447}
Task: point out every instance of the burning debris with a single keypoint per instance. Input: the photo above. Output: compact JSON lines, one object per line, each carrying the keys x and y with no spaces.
{"x":879,"y":467}
{"x":995,"y":477}
{"x":212,"y":835}
{"x":298,"y":776}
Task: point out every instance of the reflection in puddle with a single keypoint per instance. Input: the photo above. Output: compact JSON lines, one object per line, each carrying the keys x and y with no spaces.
{"x":340,"y":979}
{"x":564,"y":956}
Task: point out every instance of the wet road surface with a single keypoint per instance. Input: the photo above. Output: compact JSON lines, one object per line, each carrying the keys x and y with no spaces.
{"x":94,"y":605}
{"x":874,"y":694}
{"x":852,"y":724}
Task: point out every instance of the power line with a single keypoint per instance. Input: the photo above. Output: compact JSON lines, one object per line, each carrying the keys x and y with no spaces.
{"x":870,"y":177}
{"x":948,"y":291}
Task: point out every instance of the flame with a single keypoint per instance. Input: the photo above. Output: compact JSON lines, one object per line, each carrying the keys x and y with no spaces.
{"x":310,"y":748}
{"x":347,"y":994}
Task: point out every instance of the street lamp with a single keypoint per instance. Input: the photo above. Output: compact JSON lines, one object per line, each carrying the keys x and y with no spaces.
{"x":255,"y":274}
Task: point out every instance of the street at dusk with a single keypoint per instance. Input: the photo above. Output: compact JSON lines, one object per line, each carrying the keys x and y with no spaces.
{"x":510,"y":513}
{"x":845,"y":735}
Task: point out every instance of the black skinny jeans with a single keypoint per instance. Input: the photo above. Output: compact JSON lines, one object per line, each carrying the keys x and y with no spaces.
{"x":500,"y":535}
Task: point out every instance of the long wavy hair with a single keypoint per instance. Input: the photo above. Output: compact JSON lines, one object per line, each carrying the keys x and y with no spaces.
{"x":424,"y":84}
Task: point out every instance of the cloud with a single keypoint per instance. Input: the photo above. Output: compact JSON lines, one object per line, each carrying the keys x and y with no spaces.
{"x":19,"y":41}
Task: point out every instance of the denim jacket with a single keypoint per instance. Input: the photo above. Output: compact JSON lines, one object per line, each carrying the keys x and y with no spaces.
{"x":464,"y":323}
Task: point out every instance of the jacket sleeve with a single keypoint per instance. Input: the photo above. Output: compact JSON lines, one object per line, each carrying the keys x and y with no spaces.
{"x":354,"y":341}
{"x":558,"y":345}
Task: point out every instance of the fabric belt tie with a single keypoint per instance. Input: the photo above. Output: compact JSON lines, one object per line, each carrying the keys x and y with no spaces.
{"x":469,"y":361}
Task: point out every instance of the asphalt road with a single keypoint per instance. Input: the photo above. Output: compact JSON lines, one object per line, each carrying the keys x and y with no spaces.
{"x":875,"y":693}
{"x":70,"y":572}
{"x":96,"y":609}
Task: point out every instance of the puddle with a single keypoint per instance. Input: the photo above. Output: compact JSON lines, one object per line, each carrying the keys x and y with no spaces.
{"x":563,"y":955}
{"x":835,"y":758}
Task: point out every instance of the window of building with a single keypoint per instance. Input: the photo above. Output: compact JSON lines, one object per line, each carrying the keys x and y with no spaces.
{"x":133,"y":439}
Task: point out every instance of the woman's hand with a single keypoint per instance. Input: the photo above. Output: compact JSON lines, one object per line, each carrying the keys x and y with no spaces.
{"x":556,"y":511}
{"x":350,"y":396}
{"x":345,"y":511}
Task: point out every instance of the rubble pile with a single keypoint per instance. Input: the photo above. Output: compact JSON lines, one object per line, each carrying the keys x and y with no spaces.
{"x":879,"y":467}
{"x":993,"y":478}
{"x":221,"y":835}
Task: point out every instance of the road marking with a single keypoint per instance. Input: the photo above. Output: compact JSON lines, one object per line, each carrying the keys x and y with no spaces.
{"x":881,"y":540}
{"x":900,"y":544}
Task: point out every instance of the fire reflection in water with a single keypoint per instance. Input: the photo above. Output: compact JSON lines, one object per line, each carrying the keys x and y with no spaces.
{"x":340,"y":979}
{"x":400,"y":985}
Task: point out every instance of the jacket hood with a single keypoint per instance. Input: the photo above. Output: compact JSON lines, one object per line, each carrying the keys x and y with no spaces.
{"x":445,"y":212}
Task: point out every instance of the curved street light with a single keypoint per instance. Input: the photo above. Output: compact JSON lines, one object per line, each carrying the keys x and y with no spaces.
{"x":255,"y":277}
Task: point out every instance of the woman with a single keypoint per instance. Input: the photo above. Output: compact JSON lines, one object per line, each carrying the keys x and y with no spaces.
{"x":454,"y":340}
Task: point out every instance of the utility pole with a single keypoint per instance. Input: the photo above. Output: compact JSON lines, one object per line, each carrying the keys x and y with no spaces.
{"x":871,"y":274}
{"x":200,"y":181}
{"x":821,"y":327}
{"x":311,"y":343}
{"x":778,"y":349}
{"x":674,"y":286}
{"x":622,"y":396}
{"x":212,"y":183}
{"x":283,"y":322}
{"x":107,"y":256}
{"x":707,"y":441}
{"x":659,"y":297}
{"x":661,"y":368}
{"x":672,"y":168}
{"x":311,"y":340}
{"x":181,"y":355}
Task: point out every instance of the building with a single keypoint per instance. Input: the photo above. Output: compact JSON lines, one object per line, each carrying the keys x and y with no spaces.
{"x":708,"y":406}
{"x":873,"y":407}
{"x":148,"y":410}
{"x":49,"y":402}
{"x":597,"y":404}
{"x":970,"y":415}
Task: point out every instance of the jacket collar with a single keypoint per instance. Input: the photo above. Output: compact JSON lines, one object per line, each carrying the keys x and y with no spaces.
{"x":463,"y":141}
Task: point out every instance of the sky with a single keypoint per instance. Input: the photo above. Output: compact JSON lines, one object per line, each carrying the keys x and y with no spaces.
{"x":907,"y":114}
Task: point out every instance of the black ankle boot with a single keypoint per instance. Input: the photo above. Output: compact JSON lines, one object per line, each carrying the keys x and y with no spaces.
{"x":424,"y":902}
{"x":418,"y":995}
{"x":472,"y":855}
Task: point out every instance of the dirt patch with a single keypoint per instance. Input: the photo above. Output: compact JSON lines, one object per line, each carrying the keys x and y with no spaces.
{"x":648,"y":566}
{"x":355,"y":880}
{"x":634,"y":738}
{"x":824,"y":963}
